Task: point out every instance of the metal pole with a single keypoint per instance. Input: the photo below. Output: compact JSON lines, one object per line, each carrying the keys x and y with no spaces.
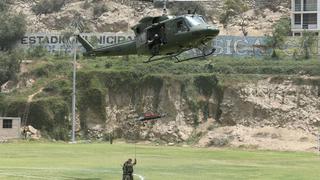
{"x":74,"y":91}
{"x":319,"y":141}
{"x":165,"y":7}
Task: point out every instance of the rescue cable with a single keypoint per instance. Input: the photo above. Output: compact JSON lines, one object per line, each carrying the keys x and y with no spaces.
{"x":144,"y":118}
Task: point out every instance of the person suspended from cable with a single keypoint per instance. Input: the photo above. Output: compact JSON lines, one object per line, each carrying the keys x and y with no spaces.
{"x":127,"y":169}
{"x":150,"y":116}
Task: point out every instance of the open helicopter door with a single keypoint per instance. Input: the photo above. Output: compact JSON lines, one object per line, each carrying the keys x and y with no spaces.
{"x":141,"y":43}
{"x":157,"y":35}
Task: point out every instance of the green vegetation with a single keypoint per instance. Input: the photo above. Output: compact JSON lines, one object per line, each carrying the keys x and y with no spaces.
{"x":48,"y":6}
{"x":13,"y":26}
{"x":274,"y":5}
{"x":308,"y":40}
{"x":4,"y":5}
{"x":9,"y":66}
{"x":36,"y":52}
{"x":49,"y":110}
{"x":181,"y":8}
{"x":281,"y":30}
{"x":2,"y":104}
{"x":103,"y":161}
{"x":86,"y":4}
{"x":99,"y":8}
{"x":233,"y":8}
{"x":98,"y":77}
{"x":216,"y":65}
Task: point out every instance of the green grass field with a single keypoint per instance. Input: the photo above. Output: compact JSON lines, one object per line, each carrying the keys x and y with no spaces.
{"x":103,"y":161}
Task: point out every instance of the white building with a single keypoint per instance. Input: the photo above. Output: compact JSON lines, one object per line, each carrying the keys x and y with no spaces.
{"x":9,"y":128}
{"x":305,"y":15}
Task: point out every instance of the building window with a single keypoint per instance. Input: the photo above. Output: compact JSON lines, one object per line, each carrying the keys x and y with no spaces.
{"x":297,"y":19}
{"x":7,"y":124}
{"x":310,"y":5}
{"x":310,"y":21}
{"x":297,"y":34}
{"x":297,"y":5}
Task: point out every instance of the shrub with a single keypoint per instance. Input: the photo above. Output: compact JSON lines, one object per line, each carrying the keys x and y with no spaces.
{"x":12,"y":29}
{"x":3,"y":5}
{"x":99,"y":9}
{"x":59,"y":133}
{"x":86,"y":4}
{"x":9,"y":66}
{"x":2,"y":104}
{"x":181,"y":8}
{"x":231,"y":9}
{"x":274,"y":4}
{"x":308,"y":41}
{"x":37,"y":52}
{"x":50,"y":115}
{"x":48,"y":6}
{"x":280,"y":31}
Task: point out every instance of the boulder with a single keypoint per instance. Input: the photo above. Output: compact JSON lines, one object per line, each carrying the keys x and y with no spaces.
{"x":32,"y":130}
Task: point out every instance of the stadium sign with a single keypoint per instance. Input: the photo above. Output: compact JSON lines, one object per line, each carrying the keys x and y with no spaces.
{"x":55,"y":43}
{"x":225,"y":45}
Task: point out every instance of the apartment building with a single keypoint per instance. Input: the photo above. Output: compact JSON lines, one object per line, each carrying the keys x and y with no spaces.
{"x":305,"y":15}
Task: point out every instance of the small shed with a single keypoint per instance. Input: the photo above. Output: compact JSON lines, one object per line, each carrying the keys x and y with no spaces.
{"x":10,"y":128}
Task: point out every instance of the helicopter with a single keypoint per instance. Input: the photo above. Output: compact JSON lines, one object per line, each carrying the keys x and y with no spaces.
{"x":162,"y":37}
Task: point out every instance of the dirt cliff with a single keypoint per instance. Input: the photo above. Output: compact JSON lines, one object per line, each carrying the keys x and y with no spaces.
{"x":203,"y":110}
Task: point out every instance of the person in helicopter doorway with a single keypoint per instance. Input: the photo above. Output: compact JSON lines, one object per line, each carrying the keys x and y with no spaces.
{"x":154,"y":45}
{"x":163,"y":35}
{"x":127,"y":169}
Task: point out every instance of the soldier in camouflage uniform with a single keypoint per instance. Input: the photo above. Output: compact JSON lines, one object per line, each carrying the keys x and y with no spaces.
{"x":127,"y":169}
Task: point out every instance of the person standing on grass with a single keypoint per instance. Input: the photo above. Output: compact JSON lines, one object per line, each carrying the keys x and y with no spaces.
{"x":127,"y":169}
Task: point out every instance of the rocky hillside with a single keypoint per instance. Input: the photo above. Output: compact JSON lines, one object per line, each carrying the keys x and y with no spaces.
{"x":218,"y":102}
{"x":98,"y":15}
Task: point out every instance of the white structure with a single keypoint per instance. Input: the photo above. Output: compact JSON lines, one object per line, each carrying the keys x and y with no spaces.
{"x":305,"y":15}
{"x":9,"y":128}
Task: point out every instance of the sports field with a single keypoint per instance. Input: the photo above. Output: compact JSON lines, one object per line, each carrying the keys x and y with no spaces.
{"x":103,"y":161}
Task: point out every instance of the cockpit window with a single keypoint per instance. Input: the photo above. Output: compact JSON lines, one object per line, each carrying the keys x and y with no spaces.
{"x":195,"y":20}
{"x":181,"y":27}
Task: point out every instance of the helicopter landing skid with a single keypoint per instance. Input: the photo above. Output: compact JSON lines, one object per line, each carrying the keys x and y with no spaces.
{"x":175,"y":56}
{"x":152,"y":58}
{"x":196,"y":57}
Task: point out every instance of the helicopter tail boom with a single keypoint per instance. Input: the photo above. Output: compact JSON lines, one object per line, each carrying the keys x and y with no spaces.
{"x":120,"y":49}
{"x":85,"y":43}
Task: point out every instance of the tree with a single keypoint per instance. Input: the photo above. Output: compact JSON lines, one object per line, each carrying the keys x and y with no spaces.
{"x":9,"y":65}
{"x":281,"y":30}
{"x":3,"y":6}
{"x":274,"y":5}
{"x":2,"y":104}
{"x":234,"y":8}
{"x":12,"y":29}
{"x":308,"y":40}
{"x":48,"y":6}
{"x":180,"y":8}
{"x":99,"y":8}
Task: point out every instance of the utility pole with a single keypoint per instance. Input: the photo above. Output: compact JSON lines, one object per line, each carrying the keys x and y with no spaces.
{"x":318,"y":141}
{"x":78,"y":26}
{"x":165,"y":11}
{"x":74,"y":90}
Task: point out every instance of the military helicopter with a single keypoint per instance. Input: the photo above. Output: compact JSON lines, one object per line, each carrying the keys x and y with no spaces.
{"x":162,"y":37}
